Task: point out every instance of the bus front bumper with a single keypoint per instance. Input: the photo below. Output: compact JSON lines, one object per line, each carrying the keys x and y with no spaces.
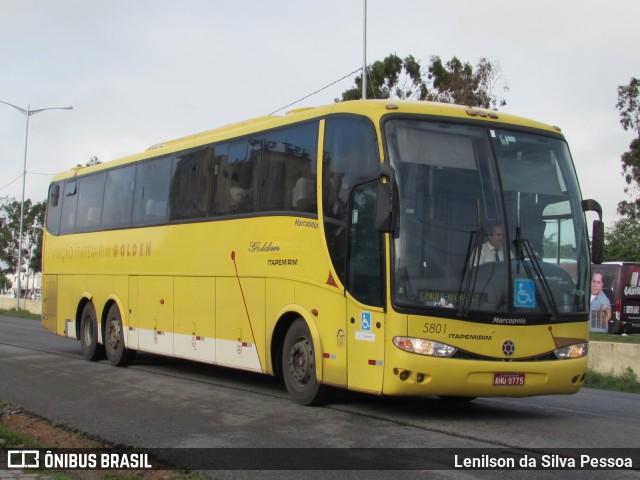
{"x":412,"y":374}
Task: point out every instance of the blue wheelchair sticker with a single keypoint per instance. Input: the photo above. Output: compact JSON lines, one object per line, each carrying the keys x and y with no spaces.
{"x":524,"y":293}
{"x":366,"y":321}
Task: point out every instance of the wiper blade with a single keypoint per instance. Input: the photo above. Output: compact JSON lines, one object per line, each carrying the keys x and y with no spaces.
{"x":472,"y":262}
{"x":525,"y":249}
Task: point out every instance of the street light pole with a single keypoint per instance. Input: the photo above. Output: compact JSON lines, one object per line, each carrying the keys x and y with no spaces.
{"x":364,"y":51}
{"x":28,"y":112}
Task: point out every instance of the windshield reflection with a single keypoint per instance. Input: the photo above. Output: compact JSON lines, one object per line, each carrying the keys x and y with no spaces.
{"x":467,"y":241}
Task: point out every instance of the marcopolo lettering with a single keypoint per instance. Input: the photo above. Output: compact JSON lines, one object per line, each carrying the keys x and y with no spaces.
{"x":306,"y":223}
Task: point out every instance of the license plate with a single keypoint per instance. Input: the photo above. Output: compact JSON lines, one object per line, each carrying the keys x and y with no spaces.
{"x":508,"y":379}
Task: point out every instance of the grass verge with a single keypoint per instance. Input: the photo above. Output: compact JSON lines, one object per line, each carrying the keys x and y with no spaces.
{"x":627,"y":382}
{"x":20,"y":314}
{"x":607,"y":337}
{"x":21,"y":430}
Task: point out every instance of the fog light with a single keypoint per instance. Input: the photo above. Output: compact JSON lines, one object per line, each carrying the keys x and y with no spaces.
{"x":404,"y":375}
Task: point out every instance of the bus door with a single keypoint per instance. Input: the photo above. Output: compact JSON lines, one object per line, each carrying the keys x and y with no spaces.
{"x":365,"y":297}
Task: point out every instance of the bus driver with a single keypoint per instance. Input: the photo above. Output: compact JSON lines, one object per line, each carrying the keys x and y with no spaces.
{"x":492,"y":250}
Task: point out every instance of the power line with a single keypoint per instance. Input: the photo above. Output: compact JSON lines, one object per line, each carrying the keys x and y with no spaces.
{"x":317,"y":91}
{"x":12,"y":181}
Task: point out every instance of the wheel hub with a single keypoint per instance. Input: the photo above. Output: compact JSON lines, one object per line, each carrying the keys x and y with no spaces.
{"x":113,"y":334}
{"x":301,"y":361}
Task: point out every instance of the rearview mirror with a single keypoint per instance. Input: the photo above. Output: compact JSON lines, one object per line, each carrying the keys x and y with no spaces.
{"x":385,"y":221}
{"x":385,"y":200}
{"x":597,"y":242}
{"x":54,"y":195}
{"x":597,"y":232}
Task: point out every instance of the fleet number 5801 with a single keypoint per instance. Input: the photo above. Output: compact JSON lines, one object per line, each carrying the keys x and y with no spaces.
{"x":434,"y":328}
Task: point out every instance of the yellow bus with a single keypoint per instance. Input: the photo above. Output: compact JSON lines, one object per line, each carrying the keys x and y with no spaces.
{"x":338,"y":246}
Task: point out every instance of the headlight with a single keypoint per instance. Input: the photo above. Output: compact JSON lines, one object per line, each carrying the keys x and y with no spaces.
{"x":572,"y":351}
{"x":422,"y":346}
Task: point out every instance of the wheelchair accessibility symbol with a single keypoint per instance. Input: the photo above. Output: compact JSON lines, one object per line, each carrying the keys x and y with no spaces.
{"x":366,"y":321}
{"x":524,"y":293}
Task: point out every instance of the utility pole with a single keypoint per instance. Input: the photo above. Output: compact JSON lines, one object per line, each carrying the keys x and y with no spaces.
{"x":364,"y":52}
{"x":27,"y":113}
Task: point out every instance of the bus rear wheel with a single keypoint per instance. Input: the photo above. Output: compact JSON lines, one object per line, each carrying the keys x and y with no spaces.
{"x":117,"y":354}
{"x":91,"y":350}
{"x":299,"y":365}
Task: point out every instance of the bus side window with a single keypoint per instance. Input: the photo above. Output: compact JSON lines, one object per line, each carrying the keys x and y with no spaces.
{"x":191,"y":184}
{"x":118,"y":197}
{"x":69,"y":204}
{"x":304,"y":166}
{"x":220,"y":156}
{"x":304,"y":194}
{"x":272,"y":177}
{"x":365,"y":248}
{"x":288,"y":170}
{"x":90,"y":196}
{"x":54,"y":208}
{"x":350,"y":149}
{"x":151,"y":195}
{"x":236,"y":189}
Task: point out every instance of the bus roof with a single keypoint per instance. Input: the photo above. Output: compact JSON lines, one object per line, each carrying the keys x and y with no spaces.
{"x":373,"y":109}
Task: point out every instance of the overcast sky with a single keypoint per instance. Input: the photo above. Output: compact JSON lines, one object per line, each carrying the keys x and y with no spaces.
{"x":138,"y":72}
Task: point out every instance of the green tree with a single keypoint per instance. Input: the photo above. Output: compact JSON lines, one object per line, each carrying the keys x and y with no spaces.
{"x":93,"y":161}
{"x":34,"y":235}
{"x":10,"y":214}
{"x":5,"y":283}
{"x":457,"y":82}
{"x":628,"y":106}
{"x":450,"y":82}
{"x":5,"y":242}
{"x":32,"y":228}
{"x":621,"y":242}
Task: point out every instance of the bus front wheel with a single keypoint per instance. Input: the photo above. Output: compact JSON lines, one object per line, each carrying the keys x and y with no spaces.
{"x":91,"y":350}
{"x":299,"y":365}
{"x":117,"y":354}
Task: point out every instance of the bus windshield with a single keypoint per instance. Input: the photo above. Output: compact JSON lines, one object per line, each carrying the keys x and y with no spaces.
{"x":489,"y":221}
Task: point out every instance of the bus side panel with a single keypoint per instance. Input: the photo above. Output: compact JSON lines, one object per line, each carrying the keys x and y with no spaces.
{"x":50,"y":302}
{"x":120,"y":291}
{"x":366,"y":338}
{"x":195,"y":318}
{"x":279,"y":293}
{"x":67,"y":306}
{"x":155,"y":307}
{"x":134,"y":325}
{"x":240,"y":323}
{"x":331,"y":324}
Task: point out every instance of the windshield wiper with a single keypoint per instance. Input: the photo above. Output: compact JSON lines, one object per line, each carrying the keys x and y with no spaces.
{"x":524,"y":249}
{"x":472,"y":261}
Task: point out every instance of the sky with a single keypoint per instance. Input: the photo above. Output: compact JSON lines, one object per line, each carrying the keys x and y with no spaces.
{"x":140,"y":72}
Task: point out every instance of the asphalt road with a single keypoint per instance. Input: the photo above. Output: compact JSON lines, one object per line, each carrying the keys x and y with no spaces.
{"x":166,"y":403}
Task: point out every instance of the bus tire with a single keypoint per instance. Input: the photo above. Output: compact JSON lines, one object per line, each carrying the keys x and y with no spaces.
{"x":91,"y":350}
{"x":299,"y":365}
{"x":117,"y":354}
